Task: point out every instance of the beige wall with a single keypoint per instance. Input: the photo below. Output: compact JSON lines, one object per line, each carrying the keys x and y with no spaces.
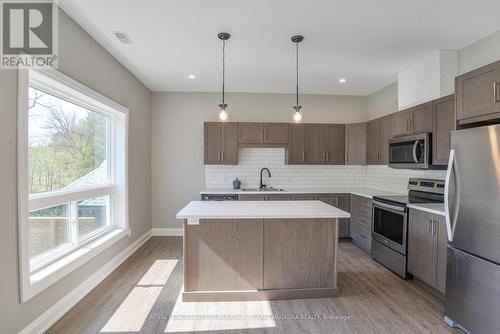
{"x":86,"y":61}
{"x":479,"y":53}
{"x":382,"y":102}
{"x":178,"y":172}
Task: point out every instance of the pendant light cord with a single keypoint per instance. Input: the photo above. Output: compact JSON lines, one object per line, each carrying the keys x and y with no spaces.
{"x":223,"y":69}
{"x":297,"y":68}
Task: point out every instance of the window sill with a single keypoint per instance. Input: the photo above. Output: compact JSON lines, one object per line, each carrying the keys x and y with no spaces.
{"x":49,"y":275}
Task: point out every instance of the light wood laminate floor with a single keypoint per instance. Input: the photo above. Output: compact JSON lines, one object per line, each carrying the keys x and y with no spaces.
{"x":143,"y":296}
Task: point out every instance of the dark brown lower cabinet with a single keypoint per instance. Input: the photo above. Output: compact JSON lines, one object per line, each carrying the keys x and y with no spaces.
{"x":427,"y":242}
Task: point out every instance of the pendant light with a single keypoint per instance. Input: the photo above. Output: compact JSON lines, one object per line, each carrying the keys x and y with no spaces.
{"x":223,"y":36}
{"x":297,"y":115}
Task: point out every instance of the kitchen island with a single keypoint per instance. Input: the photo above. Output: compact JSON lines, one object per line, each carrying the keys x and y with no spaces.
{"x":260,"y":250}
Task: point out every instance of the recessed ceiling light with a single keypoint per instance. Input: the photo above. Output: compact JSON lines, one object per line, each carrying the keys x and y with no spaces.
{"x":342,"y":80}
{"x":191,"y":76}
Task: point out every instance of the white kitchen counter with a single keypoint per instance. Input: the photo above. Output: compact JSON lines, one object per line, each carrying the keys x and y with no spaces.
{"x":259,"y":210}
{"x":435,"y":208}
{"x":364,"y":192}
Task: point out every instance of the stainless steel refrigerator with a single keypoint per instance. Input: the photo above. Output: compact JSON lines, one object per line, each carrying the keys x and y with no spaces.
{"x":472,"y":206}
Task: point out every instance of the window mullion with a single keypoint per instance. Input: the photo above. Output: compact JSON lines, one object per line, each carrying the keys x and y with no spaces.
{"x":74,"y":222}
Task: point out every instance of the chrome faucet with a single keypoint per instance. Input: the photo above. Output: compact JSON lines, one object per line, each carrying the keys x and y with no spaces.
{"x":261,"y":185}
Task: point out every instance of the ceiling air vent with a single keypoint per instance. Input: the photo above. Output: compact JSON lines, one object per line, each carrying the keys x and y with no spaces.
{"x":122,"y":37}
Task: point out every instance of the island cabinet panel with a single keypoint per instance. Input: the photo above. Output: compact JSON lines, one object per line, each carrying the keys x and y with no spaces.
{"x":223,"y":255}
{"x":355,"y":144}
{"x":291,"y":248}
{"x":478,"y":94}
{"x":296,"y":148}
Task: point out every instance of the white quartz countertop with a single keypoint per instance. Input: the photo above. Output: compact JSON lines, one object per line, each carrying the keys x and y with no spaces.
{"x":259,"y":210}
{"x":436,"y":208}
{"x":364,"y":192}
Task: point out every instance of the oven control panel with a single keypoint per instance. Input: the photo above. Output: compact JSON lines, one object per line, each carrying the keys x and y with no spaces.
{"x":426,"y":185}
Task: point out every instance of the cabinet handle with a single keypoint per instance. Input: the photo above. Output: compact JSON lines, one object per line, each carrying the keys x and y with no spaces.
{"x":327,"y":156}
{"x":434,"y":227}
{"x":429,"y":227}
{"x":346,"y":156}
{"x":303,"y":156}
{"x":222,"y":156}
{"x":265,"y":135}
{"x":495,"y":91}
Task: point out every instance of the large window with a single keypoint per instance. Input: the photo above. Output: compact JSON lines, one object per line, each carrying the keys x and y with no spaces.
{"x":72,"y":172}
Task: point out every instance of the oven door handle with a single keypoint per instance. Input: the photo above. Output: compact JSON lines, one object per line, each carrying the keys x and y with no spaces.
{"x":415,"y":151}
{"x":389,"y":206}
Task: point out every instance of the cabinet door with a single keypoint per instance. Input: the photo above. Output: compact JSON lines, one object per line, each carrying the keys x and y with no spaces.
{"x":296,"y":149}
{"x":442,"y":250}
{"x":314,"y":139}
{"x":304,"y":197}
{"x":402,"y":123}
{"x":229,"y":135}
{"x":422,"y":118}
{"x":386,"y":124}
{"x":354,"y":217}
{"x":478,"y":94}
{"x":251,"y":133}
{"x":344,"y":223}
{"x":280,"y":197}
{"x":372,"y":141}
{"x":335,"y":144}
{"x":212,"y":143}
{"x":422,"y":246}
{"x":355,"y":144}
{"x":444,"y":122}
{"x":252,"y":197}
{"x":333,"y":200}
{"x":276,"y":133}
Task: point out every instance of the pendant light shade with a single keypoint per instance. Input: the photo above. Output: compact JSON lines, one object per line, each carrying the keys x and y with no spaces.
{"x":223,"y":36}
{"x":297,"y":115}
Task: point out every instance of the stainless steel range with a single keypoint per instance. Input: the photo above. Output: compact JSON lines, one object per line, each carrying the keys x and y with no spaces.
{"x":390,"y":222}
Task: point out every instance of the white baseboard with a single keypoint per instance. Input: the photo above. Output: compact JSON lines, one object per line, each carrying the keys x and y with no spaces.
{"x":49,"y":317}
{"x":168,"y":232}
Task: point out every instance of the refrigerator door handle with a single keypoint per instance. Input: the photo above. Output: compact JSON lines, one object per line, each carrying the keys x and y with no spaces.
{"x":450,"y":217}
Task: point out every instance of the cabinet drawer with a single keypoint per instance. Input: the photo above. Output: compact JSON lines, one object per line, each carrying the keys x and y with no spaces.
{"x":365,"y":221}
{"x":364,"y":237}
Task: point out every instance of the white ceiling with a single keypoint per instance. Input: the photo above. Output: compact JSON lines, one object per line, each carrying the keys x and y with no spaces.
{"x":365,"y":41}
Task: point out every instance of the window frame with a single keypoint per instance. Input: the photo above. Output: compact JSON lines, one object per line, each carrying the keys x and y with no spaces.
{"x":40,"y":272}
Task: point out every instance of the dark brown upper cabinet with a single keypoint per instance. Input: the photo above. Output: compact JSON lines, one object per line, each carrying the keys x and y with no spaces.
{"x":478,"y":94}
{"x":355,"y":144}
{"x":220,"y":143}
{"x":263,"y":134}
{"x":335,"y":144}
{"x":378,"y":133}
{"x":251,"y":133}
{"x":315,"y":144}
{"x":403,"y":123}
{"x":422,"y":118}
{"x":386,"y":128}
{"x":443,"y":113}
{"x":296,"y":148}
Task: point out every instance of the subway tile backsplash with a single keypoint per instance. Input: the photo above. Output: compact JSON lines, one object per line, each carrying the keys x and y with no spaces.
{"x":251,"y":160}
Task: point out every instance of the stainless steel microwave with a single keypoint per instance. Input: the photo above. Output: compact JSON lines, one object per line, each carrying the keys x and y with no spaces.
{"x":410,"y":152}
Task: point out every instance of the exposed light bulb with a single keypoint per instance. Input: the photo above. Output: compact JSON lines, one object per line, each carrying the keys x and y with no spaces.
{"x":342,"y":80}
{"x":223,"y":115}
{"x":192,"y":76}
{"x":297,"y":116}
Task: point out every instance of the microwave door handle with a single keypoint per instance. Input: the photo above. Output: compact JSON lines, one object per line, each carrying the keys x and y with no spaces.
{"x":451,"y":217}
{"x":415,"y":152}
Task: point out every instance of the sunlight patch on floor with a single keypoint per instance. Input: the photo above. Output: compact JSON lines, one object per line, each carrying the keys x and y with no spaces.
{"x":208,"y":316}
{"x":158,"y":273}
{"x":133,"y":311}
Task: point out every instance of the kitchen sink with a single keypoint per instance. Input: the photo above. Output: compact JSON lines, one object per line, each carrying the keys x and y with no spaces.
{"x":263,"y":189}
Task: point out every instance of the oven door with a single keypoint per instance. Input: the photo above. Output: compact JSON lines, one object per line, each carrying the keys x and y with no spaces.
{"x":410,"y":152}
{"x":389,"y":226}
